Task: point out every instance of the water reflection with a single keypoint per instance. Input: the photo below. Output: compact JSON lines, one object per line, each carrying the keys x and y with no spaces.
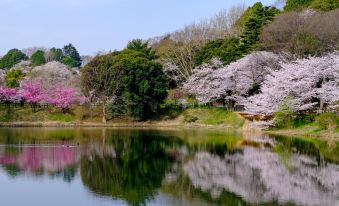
{"x":135,"y":171}
{"x":176,"y":167}
{"x":38,"y":160}
{"x":258,"y":176}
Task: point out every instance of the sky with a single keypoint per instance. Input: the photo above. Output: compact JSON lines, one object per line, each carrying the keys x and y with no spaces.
{"x":98,"y":25}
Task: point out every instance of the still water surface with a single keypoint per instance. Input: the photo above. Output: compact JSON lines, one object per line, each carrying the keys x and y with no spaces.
{"x":50,"y":166}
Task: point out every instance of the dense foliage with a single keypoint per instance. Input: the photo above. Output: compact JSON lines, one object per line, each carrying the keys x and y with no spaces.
{"x":129,"y":78}
{"x":297,"y":4}
{"x":12,"y":57}
{"x":262,"y":15}
{"x":71,"y":56}
{"x":38,"y":58}
{"x":324,"y":5}
{"x":231,"y":49}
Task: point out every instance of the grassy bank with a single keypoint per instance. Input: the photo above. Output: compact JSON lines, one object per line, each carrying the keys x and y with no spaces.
{"x":194,"y":117}
{"x":325,"y":125}
{"x":310,"y":130}
{"x":80,"y":116}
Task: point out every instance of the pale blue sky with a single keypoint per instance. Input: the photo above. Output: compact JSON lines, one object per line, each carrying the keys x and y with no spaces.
{"x":95,"y":25}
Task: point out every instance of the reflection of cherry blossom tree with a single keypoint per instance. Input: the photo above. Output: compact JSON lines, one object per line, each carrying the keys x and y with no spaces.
{"x":36,"y":159}
{"x":258,"y":175}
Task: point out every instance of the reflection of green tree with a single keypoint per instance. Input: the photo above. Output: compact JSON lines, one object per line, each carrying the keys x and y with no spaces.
{"x":68,"y":173}
{"x":135,"y":174}
{"x":318,"y":148}
{"x":12,"y":170}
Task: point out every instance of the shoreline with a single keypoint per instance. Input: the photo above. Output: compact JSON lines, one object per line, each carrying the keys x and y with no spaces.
{"x":147,"y":124}
{"x":325,"y":135}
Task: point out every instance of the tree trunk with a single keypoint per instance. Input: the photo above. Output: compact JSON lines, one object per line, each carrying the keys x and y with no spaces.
{"x":8,"y":108}
{"x":104,"y":120}
{"x":321,"y":105}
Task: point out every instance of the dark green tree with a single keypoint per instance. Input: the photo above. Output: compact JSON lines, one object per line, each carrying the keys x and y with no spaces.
{"x":38,"y":58}
{"x":232,"y":49}
{"x":245,"y":17}
{"x":12,"y":57}
{"x":69,"y":61}
{"x":253,"y":27}
{"x":102,"y":82}
{"x":72,"y":57}
{"x":141,"y":46}
{"x":131,"y":78}
{"x":145,"y":84}
{"x":56,"y":54}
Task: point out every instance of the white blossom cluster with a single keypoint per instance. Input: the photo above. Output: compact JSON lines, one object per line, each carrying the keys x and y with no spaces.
{"x":310,"y":83}
{"x":307,"y":82}
{"x":55,"y":73}
{"x":231,"y":83}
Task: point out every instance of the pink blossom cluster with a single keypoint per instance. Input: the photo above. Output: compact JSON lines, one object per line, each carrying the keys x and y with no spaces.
{"x":8,"y":95}
{"x":32,"y":92}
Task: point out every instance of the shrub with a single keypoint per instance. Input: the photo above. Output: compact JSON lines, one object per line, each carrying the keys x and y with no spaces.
{"x":284,"y":117}
{"x":328,"y":121}
{"x":190,"y":118}
{"x":305,"y":44}
{"x":13,"y":78}
{"x":304,"y":119}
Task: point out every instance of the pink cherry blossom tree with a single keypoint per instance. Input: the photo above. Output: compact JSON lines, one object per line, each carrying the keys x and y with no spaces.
{"x":63,"y":97}
{"x":32,"y":92}
{"x":9,"y":96}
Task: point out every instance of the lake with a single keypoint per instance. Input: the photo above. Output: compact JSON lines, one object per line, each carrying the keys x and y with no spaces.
{"x":102,"y":166}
